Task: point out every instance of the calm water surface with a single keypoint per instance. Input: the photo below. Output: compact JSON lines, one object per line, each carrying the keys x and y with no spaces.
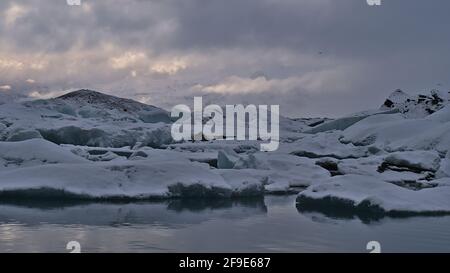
{"x":272,"y":224}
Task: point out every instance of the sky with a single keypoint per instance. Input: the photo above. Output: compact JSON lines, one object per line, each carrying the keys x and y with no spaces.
{"x":311,"y":57}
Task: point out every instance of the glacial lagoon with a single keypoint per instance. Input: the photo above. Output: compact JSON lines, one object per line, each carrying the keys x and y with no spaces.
{"x":269,"y":224}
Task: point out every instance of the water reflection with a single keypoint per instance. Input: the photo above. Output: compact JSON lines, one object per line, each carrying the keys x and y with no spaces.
{"x":367,"y":215}
{"x":269,"y":224}
{"x":169,"y":213}
{"x":327,"y":213}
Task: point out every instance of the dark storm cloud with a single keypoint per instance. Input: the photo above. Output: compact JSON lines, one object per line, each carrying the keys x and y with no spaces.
{"x":319,"y":57}
{"x":346,"y":27}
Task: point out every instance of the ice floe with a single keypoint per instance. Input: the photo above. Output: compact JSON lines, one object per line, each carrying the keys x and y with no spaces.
{"x":373,"y":195}
{"x":87,"y":145}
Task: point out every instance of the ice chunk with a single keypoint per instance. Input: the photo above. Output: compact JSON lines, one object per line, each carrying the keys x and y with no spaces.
{"x":442,"y":115}
{"x":2,"y":128}
{"x":109,"y":180}
{"x":345,"y":122}
{"x":395,"y":99}
{"x":444,"y":170}
{"x":324,"y":145}
{"x":279,"y":186}
{"x":296,"y":171}
{"x":243,"y":182}
{"x":87,"y":118}
{"x":416,"y":106}
{"x":374,"y":195}
{"x":227,"y":158}
{"x":21,"y":135}
{"x":416,"y":160}
{"x":394,"y":133}
{"x":35,"y":152}
{"x":362,"y":166}
{"x":251,"y":161}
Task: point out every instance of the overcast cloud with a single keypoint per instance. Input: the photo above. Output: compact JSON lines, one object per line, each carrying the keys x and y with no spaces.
{"x":313,"y":57}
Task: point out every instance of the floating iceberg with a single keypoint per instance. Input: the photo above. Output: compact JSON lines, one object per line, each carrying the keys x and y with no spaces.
{"x":372,"y":195}
{"x":87,"y":145}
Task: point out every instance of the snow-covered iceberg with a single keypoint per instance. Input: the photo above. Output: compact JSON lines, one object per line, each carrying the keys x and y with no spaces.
{"x":372,"y":195}
{"x":86,"y":117}
{"x":87,"y":145}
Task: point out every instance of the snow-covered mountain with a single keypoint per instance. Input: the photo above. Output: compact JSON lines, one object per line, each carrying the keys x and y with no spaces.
{"x":85,"y":144}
